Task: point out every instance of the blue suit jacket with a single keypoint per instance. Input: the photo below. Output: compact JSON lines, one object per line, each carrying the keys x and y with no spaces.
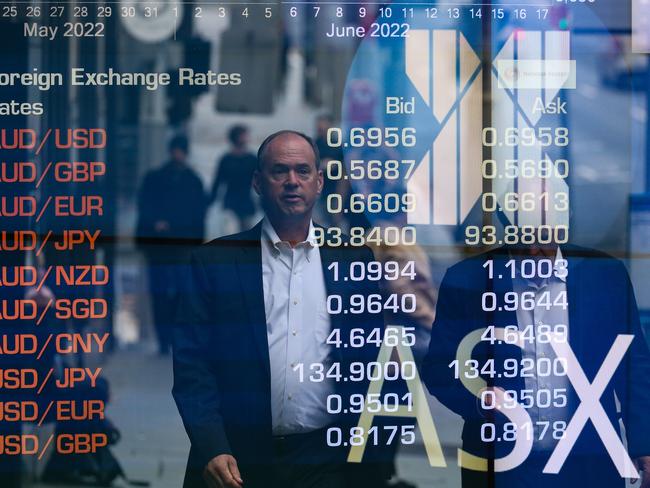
{"x":221,"y":357}
{"x":601,"y":306}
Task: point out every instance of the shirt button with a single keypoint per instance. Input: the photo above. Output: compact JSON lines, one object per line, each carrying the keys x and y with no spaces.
{"x":295,"y":302}
{"x":290,"y":397}
{"x":293,"y":332}
{"x":293,"y":365}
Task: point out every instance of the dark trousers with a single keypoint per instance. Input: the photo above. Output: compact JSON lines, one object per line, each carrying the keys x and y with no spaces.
{"x":305,"y":461}
{"x":299,"y":461}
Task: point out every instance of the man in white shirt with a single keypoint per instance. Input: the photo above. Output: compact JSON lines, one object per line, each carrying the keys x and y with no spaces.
{"x":251,"y":358}
{"x":536,"y":348}
{"x":294,"y":297}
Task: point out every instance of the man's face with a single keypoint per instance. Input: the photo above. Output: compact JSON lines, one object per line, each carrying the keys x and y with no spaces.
{"x":288,"y":181}
{"x":242,"y":140}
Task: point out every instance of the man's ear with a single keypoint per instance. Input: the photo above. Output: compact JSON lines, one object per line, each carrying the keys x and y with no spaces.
{"x":320,"y":181}
{"x":256,"y":182}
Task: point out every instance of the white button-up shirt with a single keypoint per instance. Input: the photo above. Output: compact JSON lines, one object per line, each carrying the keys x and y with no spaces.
{"x":543,"y":418}
{"x":297,"y":326}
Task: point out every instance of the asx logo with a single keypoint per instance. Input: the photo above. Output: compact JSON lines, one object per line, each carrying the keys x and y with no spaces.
{"x":589,"y":409}
{"x":527,"y":74}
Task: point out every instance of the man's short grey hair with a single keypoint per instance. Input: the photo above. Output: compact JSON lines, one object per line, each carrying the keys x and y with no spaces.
{"x":261,"y":152}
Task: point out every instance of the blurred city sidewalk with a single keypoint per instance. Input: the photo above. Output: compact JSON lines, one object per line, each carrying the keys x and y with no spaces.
{"x":154,"y":445}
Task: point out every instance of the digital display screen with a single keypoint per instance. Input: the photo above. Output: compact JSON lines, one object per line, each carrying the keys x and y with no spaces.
{"x":321,"y":244}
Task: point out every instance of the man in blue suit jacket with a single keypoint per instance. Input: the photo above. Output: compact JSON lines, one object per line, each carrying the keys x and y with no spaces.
{"x":594,"y":302}
{"x":235,"y":355}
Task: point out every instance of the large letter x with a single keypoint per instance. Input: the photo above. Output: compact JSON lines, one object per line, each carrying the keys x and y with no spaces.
{"x":590,"y":407}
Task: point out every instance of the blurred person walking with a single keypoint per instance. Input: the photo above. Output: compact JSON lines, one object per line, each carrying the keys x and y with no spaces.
{"x":235,"y":173}
{"x":171,"y":218}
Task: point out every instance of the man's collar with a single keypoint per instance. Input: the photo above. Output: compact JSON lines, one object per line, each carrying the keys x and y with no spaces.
{"x":556,"y":265}
{"x":271,"y":236}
